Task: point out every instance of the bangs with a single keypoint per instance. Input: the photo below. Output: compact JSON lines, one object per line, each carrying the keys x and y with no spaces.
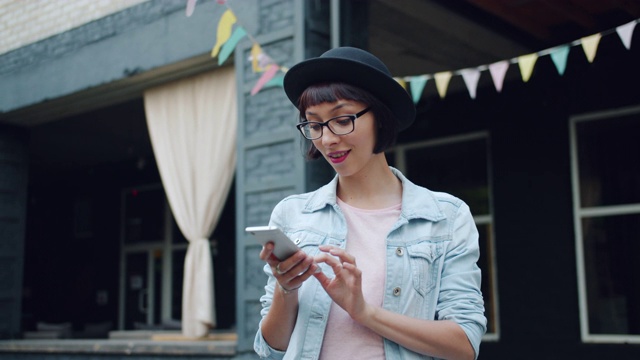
{"x":330,"y":93}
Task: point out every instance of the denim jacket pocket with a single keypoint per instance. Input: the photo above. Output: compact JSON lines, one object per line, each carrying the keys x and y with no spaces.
{"x":424,"y":264}
{"x":307,"y":241}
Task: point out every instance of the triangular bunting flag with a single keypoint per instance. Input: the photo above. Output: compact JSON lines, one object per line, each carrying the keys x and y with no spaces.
{"x":276,"y":81}
{"x":590,"y":45}
{"x":266,"y":76}
{"x":526,"y":63}
{"x":264,"y":61}
{"x":442,"y":82}
{"x":471,"y":78}
{"x":256,"y":51}
{"x":191,"y":5}
{"x":401,"y":81}
{"x":417,"y":84}
{"x":224,"y":31}
{"x":559,"y":57}
{"x":230,"y":44}
{"x":498,"y":71}
{"x":626,"y":32}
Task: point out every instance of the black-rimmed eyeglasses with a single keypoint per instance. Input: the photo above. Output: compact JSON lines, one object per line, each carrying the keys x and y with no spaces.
{"x":339,"y":125}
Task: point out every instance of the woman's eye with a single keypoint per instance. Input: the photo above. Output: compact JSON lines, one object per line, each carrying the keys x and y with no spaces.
{"x":343,"y":121}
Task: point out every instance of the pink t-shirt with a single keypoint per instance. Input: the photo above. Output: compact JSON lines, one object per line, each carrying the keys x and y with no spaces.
{"x":366,"y":241}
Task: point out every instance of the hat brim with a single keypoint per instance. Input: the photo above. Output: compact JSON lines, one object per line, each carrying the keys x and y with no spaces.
{"x":381,"y":85}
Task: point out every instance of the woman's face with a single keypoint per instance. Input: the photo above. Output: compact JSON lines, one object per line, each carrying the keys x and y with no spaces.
{"x":348,"y":154}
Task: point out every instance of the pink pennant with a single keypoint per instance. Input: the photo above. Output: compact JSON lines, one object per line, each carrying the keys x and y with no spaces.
{"x":498,"y":71}
{"x":626,"y":32}
{"x":191,"y":5}
{"x":471,"y":78}
{"x":268,"y":75}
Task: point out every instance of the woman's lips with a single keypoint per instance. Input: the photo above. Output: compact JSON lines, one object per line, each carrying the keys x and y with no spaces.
{"x":338,"y":156}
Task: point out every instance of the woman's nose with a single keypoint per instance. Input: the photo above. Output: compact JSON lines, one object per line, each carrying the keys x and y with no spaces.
{"x":328,"y":137}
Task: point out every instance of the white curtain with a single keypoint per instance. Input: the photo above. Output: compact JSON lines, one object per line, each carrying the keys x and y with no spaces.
{"x":192,"y":124}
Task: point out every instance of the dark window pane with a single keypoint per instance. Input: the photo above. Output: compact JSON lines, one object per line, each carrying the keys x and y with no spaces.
{"x":177,"y":268}
{"x":609,"y":158}
{"x":612,"y":270}
{"x":144,"y":216}
{"x":458,"y":168}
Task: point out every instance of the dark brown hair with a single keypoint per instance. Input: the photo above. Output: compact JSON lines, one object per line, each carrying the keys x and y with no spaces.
{"x":331,"y":92}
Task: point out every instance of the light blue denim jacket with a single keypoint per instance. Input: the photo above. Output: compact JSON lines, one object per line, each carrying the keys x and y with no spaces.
{"x":432,"y":274}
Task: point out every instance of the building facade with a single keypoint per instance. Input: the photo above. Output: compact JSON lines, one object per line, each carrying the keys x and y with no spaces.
{"x":92,"y":256}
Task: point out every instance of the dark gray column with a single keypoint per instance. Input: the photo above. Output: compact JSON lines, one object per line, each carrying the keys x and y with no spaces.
{"x":13,"y":198}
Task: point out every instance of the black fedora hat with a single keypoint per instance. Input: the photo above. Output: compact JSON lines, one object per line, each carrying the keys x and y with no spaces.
{"x":355,"y":67}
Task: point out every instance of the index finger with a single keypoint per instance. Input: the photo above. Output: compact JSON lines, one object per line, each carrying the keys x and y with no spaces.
{"x":340,"y":253}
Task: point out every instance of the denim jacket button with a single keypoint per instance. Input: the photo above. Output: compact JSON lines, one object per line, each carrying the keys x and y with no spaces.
{"x":399,"y":251}
{"x":397,"y":291}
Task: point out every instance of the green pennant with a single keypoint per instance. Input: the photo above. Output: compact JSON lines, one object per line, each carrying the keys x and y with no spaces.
{"x":231,"y":44}
{"x":559,"y":56}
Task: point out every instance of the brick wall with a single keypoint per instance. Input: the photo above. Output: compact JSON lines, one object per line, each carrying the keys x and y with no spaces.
{"x":23,"y":22}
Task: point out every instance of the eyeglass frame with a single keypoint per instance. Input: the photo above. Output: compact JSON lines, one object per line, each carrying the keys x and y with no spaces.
{"x":352,"y":117}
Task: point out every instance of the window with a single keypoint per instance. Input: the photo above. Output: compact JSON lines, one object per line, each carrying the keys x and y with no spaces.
{"x":605,"y":155}
{"x":459,"y":166}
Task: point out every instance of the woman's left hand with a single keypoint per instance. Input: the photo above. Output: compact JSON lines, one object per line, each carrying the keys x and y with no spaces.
{"x":345,"y":288}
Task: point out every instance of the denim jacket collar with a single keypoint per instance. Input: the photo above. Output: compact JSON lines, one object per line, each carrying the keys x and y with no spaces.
{"x":412,"y":207}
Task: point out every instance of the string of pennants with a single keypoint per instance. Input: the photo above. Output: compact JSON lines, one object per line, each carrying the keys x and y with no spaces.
{"x":230,"y":32}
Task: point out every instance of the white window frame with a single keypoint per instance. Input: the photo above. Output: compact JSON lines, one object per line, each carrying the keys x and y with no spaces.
{"x":399,"y":151}
{"x":579,"y":213}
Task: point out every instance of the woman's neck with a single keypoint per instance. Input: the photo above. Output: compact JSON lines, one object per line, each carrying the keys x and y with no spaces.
{"x":375,"y":187}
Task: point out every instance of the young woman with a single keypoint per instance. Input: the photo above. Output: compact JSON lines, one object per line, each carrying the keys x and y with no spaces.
{"x":387,"y":269}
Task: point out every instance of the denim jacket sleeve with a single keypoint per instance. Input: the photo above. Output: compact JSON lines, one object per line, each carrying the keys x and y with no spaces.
{"x":260,"y":345}
{"x":460,"y":299}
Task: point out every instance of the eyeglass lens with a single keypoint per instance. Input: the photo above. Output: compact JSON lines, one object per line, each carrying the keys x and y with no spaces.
{"x":341,"y":125}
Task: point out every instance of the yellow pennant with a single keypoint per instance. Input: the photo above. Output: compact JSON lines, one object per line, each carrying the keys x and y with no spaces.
{"x":442,"y":82}
{"x":401,"y":81}
{"x":224,"y":30}
{"x":590,"y":45}
{"x":256,"y":50}
{"x":526,"y":63}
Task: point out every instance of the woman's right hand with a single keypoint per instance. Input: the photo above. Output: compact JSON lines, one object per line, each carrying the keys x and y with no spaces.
{"x":290,"y":273}
{"x":277,"y":326}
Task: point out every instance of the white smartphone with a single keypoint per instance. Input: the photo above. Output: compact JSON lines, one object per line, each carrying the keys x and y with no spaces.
{"x":284,"y":247}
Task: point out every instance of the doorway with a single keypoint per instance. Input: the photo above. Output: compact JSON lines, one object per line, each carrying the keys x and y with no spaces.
{"x":148,"y":282}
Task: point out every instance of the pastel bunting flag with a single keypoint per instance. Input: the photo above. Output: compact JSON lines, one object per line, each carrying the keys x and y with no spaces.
{"x":256,"y":51}
{"x":526,"y":64}
{"x":275,"y":81}
{"x":191,"y":5}
{"x":442,"y":82}
{"x":222,"y":2}
{"x":498,"y":71}
{"x":626,"y":33}
{"x":266,"y":76}
{"x":230,"y":44}
{"x":264,"y":61}
{"x":471,"y":78}
{"x":590,"y":45}
{"x":401,"y":81}
{"x":224,"y":30}
{"x":417,"y":84}
{"x":559,"y":57}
